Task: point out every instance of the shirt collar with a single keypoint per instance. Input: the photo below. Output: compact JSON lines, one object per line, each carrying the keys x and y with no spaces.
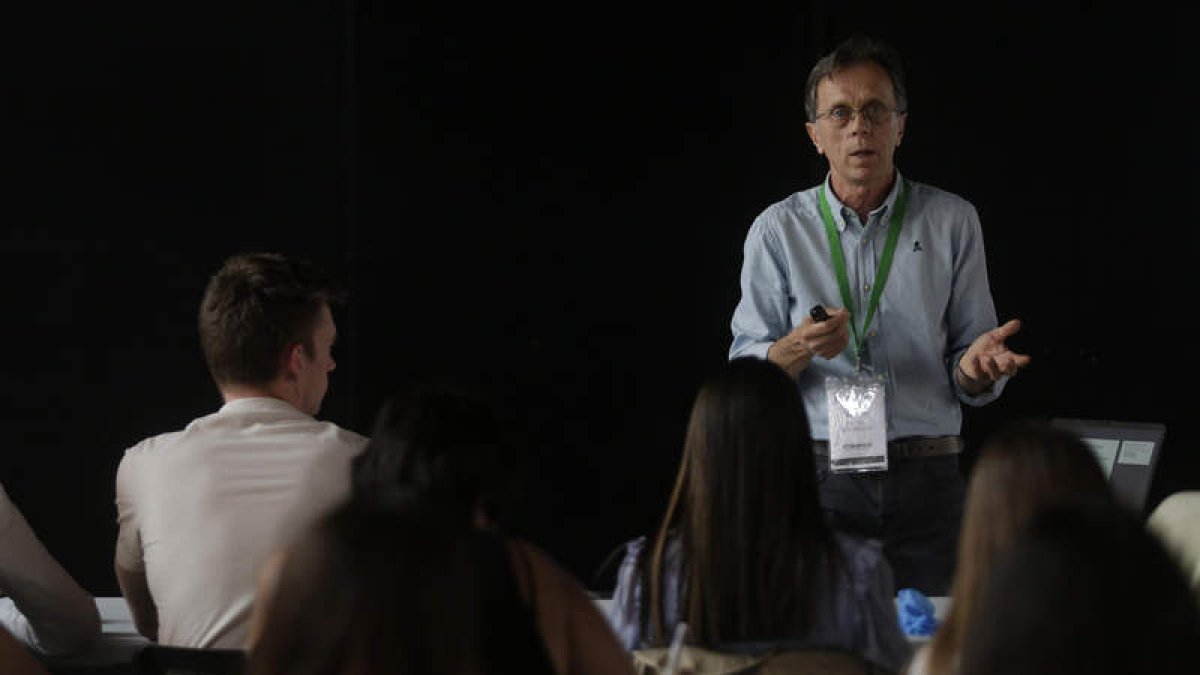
{"x":260,"y":404}
{"x":836,"y":206}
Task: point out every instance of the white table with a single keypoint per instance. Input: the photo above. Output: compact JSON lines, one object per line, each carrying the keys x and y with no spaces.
{"x":118,"y":644}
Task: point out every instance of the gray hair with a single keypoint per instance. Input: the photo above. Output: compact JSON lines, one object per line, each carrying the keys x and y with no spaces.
{"x":856,"y":49}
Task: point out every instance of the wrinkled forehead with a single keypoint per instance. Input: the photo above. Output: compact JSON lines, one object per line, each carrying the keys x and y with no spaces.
{"x":856,"y":84}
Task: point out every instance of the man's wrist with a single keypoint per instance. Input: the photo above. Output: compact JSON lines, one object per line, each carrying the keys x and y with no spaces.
{"x":982,"y":384}
{"x":793,"y":355}
{"x":800,"y":349}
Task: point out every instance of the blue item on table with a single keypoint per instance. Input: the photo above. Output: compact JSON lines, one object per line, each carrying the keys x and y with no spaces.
{"x":916,"y":613}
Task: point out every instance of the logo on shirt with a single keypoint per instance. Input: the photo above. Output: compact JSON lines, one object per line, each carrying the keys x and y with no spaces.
{"x":917,"y":246}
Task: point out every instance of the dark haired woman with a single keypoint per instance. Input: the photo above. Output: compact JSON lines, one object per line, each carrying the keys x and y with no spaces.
{"x":1023,"y":469}
{"x":441,"y":451}
{"x":1084,"y":591}
{"x":744,"y":555}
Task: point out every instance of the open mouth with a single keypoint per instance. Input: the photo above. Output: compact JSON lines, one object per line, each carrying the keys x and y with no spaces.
{"x":863,"y":153}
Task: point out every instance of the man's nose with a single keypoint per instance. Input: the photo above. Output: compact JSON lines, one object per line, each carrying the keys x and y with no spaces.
{"x":859,"y":121}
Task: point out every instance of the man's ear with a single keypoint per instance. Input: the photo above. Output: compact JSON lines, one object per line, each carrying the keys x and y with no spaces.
{"x":902,"y":118}
{"x":812,"y":136}
{"x":293,"y":361}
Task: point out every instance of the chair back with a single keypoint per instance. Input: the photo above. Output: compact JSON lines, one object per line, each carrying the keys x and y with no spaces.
{"x":163,"y":660}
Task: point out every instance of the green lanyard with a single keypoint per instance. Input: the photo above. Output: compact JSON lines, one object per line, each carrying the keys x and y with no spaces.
{"x":881,"y":274}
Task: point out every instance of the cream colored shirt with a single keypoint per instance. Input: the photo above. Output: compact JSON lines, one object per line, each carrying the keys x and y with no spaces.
{"x":45,"y":608}
{"x":200,"y":510}
{"x":1176,"y":521}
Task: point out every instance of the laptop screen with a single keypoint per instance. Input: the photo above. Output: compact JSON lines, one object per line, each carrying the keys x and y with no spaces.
{"x":1127,"y":452}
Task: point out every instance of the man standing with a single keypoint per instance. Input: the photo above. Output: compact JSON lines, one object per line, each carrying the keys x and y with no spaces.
{"x":898,"y":271}
{"x":201,"y":509}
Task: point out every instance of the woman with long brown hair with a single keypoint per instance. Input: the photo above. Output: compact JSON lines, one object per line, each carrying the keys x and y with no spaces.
{"x":1024,"y":469}
{"x":743,"y":554}
{"x":1084,"y":591}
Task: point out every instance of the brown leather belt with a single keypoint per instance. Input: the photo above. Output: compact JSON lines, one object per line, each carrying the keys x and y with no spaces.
{"x":911,"y":447}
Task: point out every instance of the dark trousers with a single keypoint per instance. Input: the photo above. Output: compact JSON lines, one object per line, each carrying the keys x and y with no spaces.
{"x":915,"y":509}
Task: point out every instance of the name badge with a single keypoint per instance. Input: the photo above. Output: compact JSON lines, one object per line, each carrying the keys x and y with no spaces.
{"x":857,"y":423}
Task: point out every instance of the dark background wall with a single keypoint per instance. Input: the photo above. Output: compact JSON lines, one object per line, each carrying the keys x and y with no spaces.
{"x":549,"y":205}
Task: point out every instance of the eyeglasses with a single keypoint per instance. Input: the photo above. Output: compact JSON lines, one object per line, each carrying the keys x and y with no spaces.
{"x":874,"y":112}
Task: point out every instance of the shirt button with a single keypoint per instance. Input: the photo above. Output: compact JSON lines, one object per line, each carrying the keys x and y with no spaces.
{"x":867,"y":286}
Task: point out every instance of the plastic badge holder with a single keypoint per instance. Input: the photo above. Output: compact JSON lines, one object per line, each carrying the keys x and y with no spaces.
{"x":857,"y":423}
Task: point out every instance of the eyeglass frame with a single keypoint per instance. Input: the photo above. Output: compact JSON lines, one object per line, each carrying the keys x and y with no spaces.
{"x":859,"y":112}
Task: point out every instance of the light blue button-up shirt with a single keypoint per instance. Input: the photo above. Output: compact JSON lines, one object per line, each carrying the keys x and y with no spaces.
{"x":936,"y":300}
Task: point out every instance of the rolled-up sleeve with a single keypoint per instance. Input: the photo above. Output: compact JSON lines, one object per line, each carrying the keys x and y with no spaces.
{"x":971,"y":312}
{"x":762,"y":314}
